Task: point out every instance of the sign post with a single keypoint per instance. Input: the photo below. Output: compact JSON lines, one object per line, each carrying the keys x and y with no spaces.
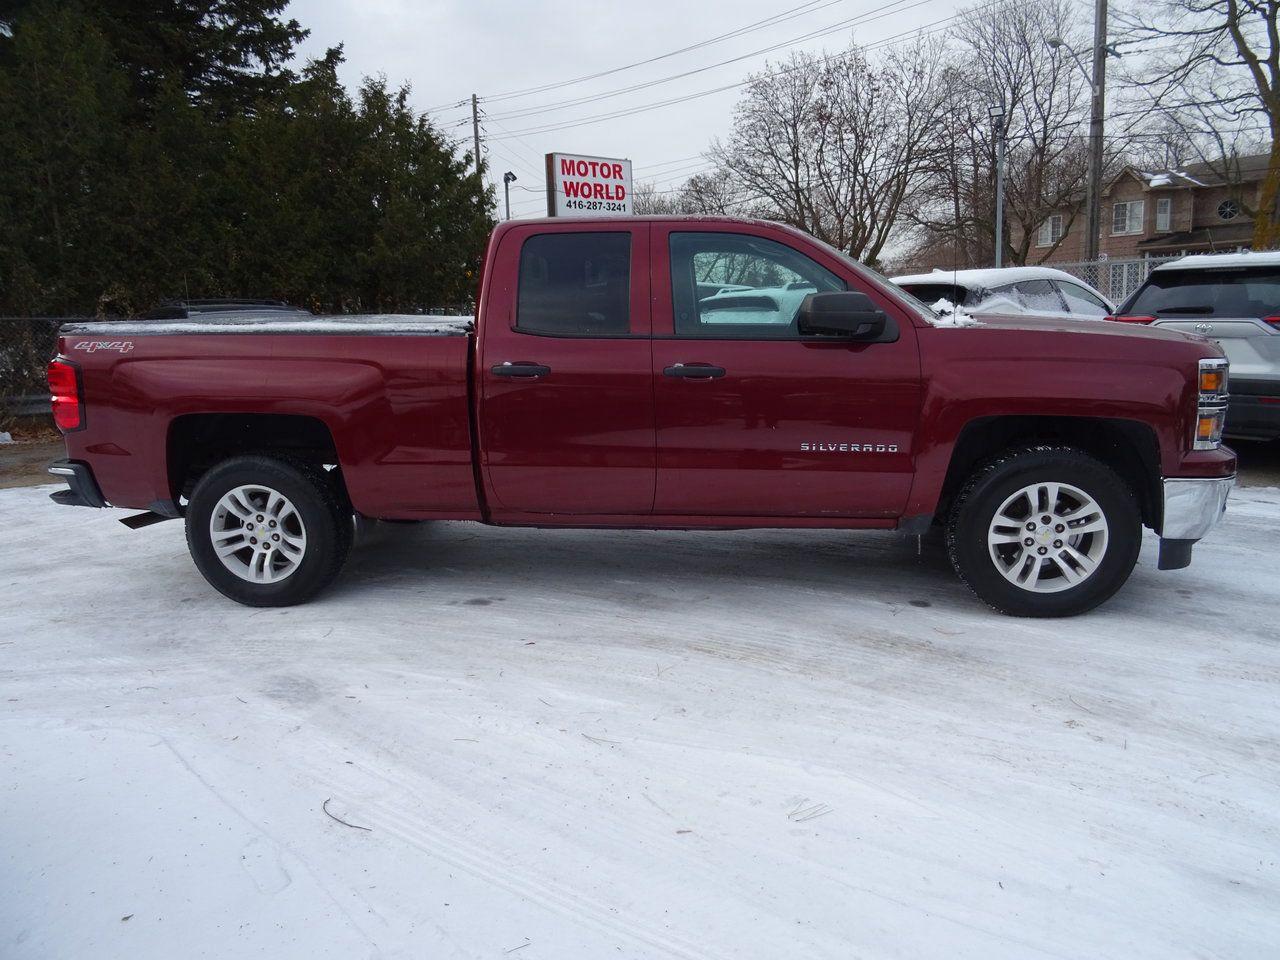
{"x":580,"y":186}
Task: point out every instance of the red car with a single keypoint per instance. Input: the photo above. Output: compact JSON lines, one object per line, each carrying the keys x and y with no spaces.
{"x":666,"y":373}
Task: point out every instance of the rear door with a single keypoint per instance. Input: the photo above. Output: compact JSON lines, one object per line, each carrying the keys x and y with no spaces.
{"x":565,"y":410}
{"x":754,"y":420}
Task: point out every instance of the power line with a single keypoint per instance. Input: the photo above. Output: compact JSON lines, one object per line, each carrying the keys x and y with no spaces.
{"x":667,"y":163}
{"x":876,"y":13}
{"x":925,"y":30}
{"x":811,"y":6}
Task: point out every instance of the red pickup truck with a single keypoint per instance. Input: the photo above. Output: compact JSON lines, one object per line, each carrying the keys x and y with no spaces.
{"x":665,"y":373}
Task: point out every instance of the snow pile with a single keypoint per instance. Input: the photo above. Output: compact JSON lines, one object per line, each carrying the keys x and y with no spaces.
{"x":949,"y":315}
{"x":571,"y":745}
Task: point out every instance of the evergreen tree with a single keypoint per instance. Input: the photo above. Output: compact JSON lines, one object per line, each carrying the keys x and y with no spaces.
{"x":109,"y":203}
{"x":63,"y":102}
{"x":227,"y":54}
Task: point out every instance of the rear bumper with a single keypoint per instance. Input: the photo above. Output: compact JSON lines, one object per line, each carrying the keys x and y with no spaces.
{"x":1253,"y":410}
{"x":82,"y":489}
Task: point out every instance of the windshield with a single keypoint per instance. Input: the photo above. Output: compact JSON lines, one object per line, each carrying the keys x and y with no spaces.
{"x":1240,"y":292}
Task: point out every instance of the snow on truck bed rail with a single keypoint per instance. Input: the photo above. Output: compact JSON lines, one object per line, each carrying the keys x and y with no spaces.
{"x":381,"y":324}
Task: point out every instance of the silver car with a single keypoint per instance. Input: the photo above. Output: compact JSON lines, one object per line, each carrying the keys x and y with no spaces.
{"x":1234,"y":299}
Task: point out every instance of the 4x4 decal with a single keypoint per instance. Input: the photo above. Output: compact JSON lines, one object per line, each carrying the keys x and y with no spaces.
{"x":92,"y":346}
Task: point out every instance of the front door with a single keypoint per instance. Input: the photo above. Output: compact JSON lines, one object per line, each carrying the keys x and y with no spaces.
{"x":563,"y":367}
{"x":752,"y":418}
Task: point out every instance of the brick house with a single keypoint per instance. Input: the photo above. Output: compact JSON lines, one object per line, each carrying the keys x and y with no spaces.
{"x":1156,"y":214}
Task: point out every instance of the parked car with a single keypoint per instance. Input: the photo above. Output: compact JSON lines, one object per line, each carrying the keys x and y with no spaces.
{"x":1009,"y":291}
{"x":1234,"y":299}
{"x":599,"y":385}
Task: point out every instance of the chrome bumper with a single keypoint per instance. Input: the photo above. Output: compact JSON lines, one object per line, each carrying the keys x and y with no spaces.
{"x":1192,"y":507}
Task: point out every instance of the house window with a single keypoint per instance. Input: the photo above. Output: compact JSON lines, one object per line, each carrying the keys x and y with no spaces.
{"x":1126,"y":217}
{"x":1051,"y":231}
{"x":1164,"y":214}
{"x":1228,"y":210}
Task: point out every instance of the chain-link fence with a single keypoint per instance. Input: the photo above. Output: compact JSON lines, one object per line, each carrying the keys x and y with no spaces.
{"x":1115,"y":279}
{"x":27,"y":344}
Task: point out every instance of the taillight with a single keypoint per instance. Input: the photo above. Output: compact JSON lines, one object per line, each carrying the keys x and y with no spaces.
{"x":1271,"y":321}
{"x":66,"y":394}
{"x":1126,"y":319}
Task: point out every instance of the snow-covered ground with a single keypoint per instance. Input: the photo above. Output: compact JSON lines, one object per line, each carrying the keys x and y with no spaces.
{"x":561,"y":745}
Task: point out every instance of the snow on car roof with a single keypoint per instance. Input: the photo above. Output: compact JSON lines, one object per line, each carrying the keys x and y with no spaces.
{"x":1207,"y":261}
{"x":986,"y":279}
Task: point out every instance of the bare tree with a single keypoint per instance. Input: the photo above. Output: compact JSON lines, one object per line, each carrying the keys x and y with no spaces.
{"x":1214,"y":71}
{"x":1002,"y":58}
{"x":711,"y":193}
{"x":647,"y":199}
{"x":837,"y":146}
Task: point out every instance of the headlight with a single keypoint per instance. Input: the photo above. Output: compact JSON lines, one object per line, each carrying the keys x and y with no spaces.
{"x":1211,"y":411}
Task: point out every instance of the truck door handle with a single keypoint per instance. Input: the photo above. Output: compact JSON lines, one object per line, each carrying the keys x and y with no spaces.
{"x":693,"y":371}
{"x":509,"y":369}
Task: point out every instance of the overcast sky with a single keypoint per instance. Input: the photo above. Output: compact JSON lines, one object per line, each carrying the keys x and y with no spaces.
{"x":448,"y":49}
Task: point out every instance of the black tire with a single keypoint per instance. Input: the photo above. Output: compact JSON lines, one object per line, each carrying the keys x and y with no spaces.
{"x":319,"y":503}
{"x":1001,"y":478}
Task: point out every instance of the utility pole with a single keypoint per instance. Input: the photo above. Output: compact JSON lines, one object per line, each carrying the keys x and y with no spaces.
{"x":475,"y":126}
{"x":1098,"y":80}
{"x":996,"y":112}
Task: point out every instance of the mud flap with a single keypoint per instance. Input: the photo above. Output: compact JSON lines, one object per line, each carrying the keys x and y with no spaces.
{"x":1174,"y":554}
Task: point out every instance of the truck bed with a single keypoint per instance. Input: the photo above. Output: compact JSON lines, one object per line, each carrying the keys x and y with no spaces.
{"x":389,"y":392}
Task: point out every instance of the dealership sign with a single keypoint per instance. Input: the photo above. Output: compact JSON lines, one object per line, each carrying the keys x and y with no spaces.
{"x":579,"y":186}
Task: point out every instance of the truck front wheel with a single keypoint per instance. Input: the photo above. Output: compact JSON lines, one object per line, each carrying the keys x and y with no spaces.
{"x":1044,"y":531}
{"x":267,"y":533}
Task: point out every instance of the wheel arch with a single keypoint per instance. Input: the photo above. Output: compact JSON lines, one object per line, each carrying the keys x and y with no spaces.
{"x":1130,"y":447}
{"x":198,"y":441}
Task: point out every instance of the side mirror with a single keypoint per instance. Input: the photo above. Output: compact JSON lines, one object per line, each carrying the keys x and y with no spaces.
{"x":847,"y":314}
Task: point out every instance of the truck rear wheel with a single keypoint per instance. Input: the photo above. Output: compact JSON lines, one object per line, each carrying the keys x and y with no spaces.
{"x":266,"y":532}
{"x":1044,"y":532}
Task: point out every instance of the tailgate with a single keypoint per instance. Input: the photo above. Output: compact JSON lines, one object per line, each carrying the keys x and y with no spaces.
{"x":1252,"y":346}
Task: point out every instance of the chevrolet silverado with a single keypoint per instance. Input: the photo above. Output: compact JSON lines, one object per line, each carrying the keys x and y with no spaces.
{"x":664,"y":373}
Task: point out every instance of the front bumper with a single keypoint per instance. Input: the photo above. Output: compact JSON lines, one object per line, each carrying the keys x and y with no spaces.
{"x":82,"y":489}
{"x":1191,"y":509}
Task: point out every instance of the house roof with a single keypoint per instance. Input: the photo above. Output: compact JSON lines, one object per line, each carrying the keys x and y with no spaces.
{"x":1247,"y":169}
{"x":1230,"y":235}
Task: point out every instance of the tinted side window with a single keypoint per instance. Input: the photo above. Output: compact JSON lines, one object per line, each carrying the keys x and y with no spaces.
{"x":740,"y":287}
{"x":931,"y":293}
{"x":575,"y":285}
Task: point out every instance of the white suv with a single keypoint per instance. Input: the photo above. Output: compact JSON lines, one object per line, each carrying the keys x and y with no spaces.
{"x":1234,"y":299}
{"x":1038,"y":292}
